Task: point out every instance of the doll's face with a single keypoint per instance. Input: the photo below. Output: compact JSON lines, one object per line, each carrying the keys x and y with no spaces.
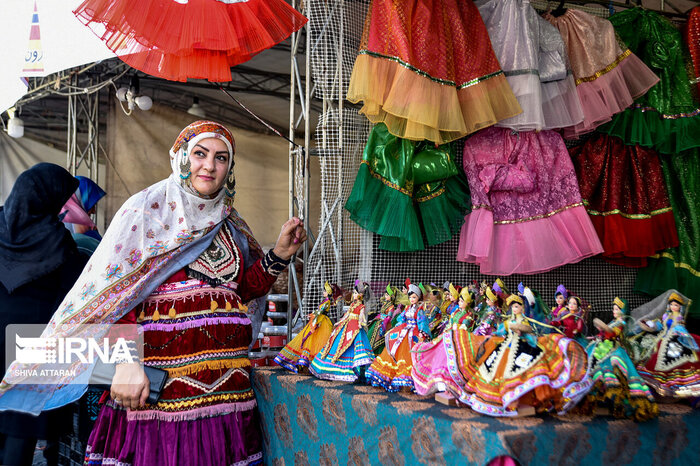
{"x":325,"y":294}
{"x":560,"y":300}
{"x":489,"y":302}
{"x":674,"y":306}
{"x":413,"y":298}
{"x":387,"y":297}
{"x":356,"y":295}
{"x":617,"y":312}
{"x":516,"y":309}
{"x":434,"y":296}
{"x":462,"y":303}
{"x":573,"y":304}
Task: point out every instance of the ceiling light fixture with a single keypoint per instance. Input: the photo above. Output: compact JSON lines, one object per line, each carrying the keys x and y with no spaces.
{"x":195,"y":109}
{"x":15,"y":125}
{"x":131,"y":96}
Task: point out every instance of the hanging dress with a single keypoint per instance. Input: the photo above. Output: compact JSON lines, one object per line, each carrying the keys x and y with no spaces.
{"x":608,"y":75}
{"x":299,"y":352}
{"x":625,"y":195}
{"x":678,"y":268}
{"x":182,"y":39}
{"x":524,"y":192}
{"x":533,"y":58}
{"x":692,"y":39}
{"x":347,"y":351}
{"x":667,"y":117}
{"x":616,"y":381}
{"x":411,"y":194}
{"x":427,"y":70}
{"x":392,"y":368}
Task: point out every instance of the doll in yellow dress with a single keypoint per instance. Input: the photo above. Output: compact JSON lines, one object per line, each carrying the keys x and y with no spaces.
{"x":299,"y":352}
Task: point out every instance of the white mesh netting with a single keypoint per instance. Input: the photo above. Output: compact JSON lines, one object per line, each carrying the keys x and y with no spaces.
{"x":345,"y":252}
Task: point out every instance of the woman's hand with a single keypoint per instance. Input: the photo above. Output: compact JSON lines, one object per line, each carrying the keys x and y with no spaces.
{"x":130,"y":385}
{"x":291,"y":237}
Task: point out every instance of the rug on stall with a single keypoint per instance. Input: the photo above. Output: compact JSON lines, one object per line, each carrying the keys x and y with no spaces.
{"x":311,"y":421}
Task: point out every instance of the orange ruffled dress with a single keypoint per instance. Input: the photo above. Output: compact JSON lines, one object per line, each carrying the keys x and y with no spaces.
{"x":181,"y":39}
{"x":427,"y":70}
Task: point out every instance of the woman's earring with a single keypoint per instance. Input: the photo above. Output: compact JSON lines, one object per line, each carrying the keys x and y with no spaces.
{"x":230,"y":188}
{"x":185,"y":168}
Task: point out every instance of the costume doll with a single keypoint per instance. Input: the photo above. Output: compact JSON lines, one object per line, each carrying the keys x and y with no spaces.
{"x":515,"y":367}
{"x":490,"y":313}
{"x":448,"y":307}
{"x":617,"y":383}
{"x":298,"y":353}
{"x":560,"y":297}
{"x":347,"y":351}
{"x":434,"y":366}
{"x":378,"y":327}
{"x":433,"y":306}
{"x":392,"y":368}
{"x":673,"y":367}
{"x":570,"y":319}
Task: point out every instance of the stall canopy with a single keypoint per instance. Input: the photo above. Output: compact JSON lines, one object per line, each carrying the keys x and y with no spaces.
{"x":41,"y":37}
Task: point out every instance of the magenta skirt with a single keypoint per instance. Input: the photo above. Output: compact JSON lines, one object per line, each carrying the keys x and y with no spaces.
{"x":228,"y":439}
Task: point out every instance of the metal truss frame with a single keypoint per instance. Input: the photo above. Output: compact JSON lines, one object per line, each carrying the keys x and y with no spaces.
{"x":83,"y":111}
{"x":299,"y":182}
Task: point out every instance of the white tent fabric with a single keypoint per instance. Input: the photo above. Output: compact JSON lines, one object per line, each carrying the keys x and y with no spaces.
{"x":41,"y":43}
{"x":17,"y":155}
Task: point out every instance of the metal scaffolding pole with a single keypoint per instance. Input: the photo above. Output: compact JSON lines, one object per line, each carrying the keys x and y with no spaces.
{"x":298,"y":157}
{"x":83,"y":110}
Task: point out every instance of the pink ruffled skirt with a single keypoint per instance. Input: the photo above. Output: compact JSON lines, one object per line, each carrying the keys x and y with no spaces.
{"x":611,"y":93}
{"x":527,"y":246}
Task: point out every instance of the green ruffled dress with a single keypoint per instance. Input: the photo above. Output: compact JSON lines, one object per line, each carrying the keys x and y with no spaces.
{"x":667,"y":117}
{"x":679,"y":268}
{"x":410,"y":193}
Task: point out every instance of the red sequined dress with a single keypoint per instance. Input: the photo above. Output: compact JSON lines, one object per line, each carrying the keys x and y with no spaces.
{"x":426,"y":68}
{"x":625,"y":195}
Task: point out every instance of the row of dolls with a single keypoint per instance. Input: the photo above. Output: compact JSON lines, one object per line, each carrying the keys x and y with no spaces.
{"x":497,"y":351}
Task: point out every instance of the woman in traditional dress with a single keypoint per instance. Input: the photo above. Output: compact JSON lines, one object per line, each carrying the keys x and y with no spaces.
{"x":297,"y":355}
{"x":178,"y":259}
{"x":392,"y":368}
{"x":673,"y":367}
{"x":517,"y":368}
{"x":347,"y":351}
{"x":617,"y":383}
